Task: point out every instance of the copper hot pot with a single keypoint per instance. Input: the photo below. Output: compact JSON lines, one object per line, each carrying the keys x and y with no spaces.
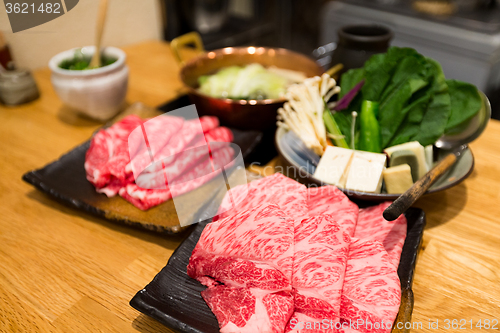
{"x":242,"y":114}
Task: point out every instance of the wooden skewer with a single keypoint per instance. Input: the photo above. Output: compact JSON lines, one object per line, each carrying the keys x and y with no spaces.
{"x":101,"y":18}
{"x":401,"y":204}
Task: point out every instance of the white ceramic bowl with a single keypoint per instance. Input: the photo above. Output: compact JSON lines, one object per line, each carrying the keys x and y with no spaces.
{"x":97,"y":93}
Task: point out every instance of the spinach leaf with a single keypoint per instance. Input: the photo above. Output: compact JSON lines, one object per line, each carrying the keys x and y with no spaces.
{"x":438,"y":111}
{"x":428,"y":112}
{"x":410,"y":76}
{"x":379,"y":71}
{"x":465,"y":103}
{"x":378,"y":74}
{"x":411,"y":125}
{"x":417,"y":103}
{"x":350,"y":79}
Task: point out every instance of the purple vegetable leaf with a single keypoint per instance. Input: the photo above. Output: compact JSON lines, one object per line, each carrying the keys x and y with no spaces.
{"x":344,"y":102}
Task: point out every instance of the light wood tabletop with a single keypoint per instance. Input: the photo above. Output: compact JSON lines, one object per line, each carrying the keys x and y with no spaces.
{"x":62,"y":270}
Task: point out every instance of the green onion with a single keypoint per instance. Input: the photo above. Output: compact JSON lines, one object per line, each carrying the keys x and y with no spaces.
{"x":333,"y":128}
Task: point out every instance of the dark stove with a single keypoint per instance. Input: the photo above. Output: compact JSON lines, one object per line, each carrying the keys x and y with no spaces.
{"x":478,"y":16}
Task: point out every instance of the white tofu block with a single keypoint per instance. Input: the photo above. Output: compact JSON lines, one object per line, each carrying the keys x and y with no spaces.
{"x":365,"y":173}
{"x":398,"y":179}
{"x":429,"y":155}
{"x":415,"y":147}
{"x":334,"y":165}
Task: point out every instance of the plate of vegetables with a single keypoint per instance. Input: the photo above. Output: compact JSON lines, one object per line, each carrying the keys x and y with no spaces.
{"x":379,"y":130}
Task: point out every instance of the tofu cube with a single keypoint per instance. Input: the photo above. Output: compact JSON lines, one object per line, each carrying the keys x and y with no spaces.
{"x":365,"y":173}
{"x":415,"y":147}
{"x":398,"y":179}
{"x":334,"y":165}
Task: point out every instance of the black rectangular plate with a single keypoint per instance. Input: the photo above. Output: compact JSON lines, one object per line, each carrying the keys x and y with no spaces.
{"x":66,"y":181}
{"x":173,"y":298}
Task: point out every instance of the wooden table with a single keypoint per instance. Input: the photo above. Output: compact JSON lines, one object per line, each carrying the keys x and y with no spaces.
{"x":62,"y":270}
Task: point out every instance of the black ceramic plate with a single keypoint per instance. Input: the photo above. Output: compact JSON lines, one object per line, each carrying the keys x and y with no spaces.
{"x":174,"y":299}
{"x":65,"y":180}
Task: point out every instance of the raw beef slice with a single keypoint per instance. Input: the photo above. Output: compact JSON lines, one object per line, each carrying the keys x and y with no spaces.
{"x":238,"y":310}
{"x":263,"y":234}
{"x":120,"y":132}
{"x":319,"y":262}
{"x":107,"y":153}
{"x":373,"y":226}
{"x":289,"y":195}
{"x":202,"y":173}
{"x":160,"y":173}
{"x":372,"y":292}
{"x":187,"y":136}
{"x":246,"y":262}
{"x":97,"y":156}
{"x":333,"y":276}
{"x":108,"y":166}
{"x":142,"y":198}
{"x":331,"y":200}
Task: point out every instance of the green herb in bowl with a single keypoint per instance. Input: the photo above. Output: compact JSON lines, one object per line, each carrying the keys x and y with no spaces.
{"x":81,"y":61}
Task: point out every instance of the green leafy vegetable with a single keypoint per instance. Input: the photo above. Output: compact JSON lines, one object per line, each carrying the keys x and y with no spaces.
{"x":249,"y":82}
{"x":380,"y":70}
{"x":409,"y":76}
{"x":427,"y":112}
{"x":465,"y":103}
{"x":416,"y":101}
{"x":344,"y":118}
{"x":350,"y":79}
{"x":438,"y":110}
